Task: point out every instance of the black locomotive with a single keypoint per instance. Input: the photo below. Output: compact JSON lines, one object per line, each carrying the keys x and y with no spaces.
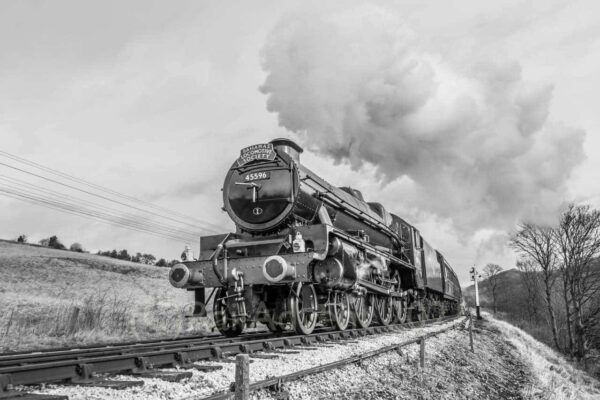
{"x":307,"y":252}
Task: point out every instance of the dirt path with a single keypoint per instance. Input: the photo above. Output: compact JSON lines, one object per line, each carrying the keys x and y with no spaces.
{"x":503,"y":375}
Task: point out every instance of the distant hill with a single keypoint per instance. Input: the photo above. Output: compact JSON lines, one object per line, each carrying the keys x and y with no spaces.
{"x":511,"y":292}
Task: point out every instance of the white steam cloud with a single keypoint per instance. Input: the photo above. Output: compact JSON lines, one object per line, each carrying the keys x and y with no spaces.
{"x":475,"y":142}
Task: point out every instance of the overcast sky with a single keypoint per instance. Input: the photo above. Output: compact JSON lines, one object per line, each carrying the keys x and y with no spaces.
{"x":155,"y":99}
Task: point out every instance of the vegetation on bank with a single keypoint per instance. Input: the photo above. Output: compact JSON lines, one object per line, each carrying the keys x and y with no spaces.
{"x":554,"y":294}
{"x":144,"y":258}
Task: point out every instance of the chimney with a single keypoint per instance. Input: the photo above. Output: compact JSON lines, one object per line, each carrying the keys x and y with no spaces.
{"x":289,"y":147}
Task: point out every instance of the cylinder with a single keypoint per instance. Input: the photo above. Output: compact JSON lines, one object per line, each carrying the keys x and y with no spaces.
{"x":330,"y":273}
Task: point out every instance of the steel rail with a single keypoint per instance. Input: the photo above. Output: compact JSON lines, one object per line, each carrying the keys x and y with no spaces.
{"x":180,"y":356}
{"x":101,"y":345}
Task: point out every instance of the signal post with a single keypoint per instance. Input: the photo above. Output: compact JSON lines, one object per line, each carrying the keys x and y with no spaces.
{"x":475,"y":277}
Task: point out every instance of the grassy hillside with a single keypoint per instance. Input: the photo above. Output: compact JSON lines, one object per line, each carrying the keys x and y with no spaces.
{"x":118,"y":300}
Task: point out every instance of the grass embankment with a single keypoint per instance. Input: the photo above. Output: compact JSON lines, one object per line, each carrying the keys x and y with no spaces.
{"x":117,"y":300}
{"x":507,"y":364}
{"x":555,"y":377}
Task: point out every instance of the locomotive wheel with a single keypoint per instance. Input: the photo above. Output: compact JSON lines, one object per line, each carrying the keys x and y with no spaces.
{"x":225,"y":324}
{"x":385,"y":310}
{"x":362,"y":306}
{"x":339,"y":310}
{"x":303,"y":308}
{"x":399,"y":311}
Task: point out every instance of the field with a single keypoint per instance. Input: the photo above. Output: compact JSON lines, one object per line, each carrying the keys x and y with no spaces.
{"x":40,"y":289}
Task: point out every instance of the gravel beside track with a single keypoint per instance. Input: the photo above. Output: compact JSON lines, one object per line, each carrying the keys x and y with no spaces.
{"x":203,"y":384}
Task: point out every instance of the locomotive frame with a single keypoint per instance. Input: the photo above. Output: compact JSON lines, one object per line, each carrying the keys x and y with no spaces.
{"x":307,"y":252}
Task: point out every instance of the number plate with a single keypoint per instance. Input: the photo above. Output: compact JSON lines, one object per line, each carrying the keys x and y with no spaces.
{"x":257,"y":176}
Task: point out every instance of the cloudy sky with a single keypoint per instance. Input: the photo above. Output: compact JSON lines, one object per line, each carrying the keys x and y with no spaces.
{"x":462,"y":117}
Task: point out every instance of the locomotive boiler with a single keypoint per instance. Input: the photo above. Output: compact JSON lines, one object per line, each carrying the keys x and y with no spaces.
{"x":306,"y":252}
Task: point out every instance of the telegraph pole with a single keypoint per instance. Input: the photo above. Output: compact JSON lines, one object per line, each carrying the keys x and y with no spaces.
{"x":475,"y":277}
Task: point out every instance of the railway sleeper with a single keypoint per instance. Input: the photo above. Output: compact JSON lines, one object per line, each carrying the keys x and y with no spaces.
{"x":265,"y":356}
{"x":183,"y":360}
{"x":142,"y":364}
{"x":19,"y":395}
{"x":207,"y":368}
{"x":106,"y":383}
{"x":86,"y":377}
{"x":145,"y":369}
{"x":230,"y":360}
{"x":169,"y":376}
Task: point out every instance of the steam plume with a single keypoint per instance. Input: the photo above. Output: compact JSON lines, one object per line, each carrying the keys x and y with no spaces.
{"x":476,"y":143}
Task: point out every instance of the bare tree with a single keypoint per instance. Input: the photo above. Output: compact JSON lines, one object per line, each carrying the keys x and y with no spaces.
{"x":490,"y":272}
{"x":530,"y":273}
{"x":536,"y":242}
{"x":578,"y":240}
{"x":567,"y":303}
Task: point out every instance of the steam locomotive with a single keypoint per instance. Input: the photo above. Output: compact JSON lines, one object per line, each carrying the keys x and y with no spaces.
{"x":306,"y":253}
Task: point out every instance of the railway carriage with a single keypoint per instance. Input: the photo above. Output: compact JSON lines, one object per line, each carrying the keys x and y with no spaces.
{"x":306,"y":252}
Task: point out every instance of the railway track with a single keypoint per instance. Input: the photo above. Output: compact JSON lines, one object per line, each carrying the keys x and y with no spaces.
{"x":81,"y":353}
{"x":85,"y":366}
{"x":276,"y":382}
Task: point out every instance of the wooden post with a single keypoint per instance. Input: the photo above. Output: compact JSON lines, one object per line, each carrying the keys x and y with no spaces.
{"x":73,"y":320}
{"x":242,"y":377}
{"x":422,"y":351}
{"x":471,"y":333}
